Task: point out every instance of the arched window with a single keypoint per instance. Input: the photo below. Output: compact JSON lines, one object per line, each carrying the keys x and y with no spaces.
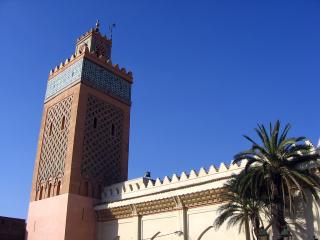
{"x":41,"y":192}
{"x":49,"y":189}
{"x":58,"y":188}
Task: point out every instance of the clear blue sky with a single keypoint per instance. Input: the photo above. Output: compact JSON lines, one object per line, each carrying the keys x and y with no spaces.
{"x":205,"y":72}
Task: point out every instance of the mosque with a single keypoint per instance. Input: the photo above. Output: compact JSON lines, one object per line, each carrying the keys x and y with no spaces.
{"x":80,"y":188}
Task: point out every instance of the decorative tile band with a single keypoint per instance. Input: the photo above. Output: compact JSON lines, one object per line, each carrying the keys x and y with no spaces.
{"x":92,"y":74}
{"x":99,"y":77}
{"x":64,"y":79}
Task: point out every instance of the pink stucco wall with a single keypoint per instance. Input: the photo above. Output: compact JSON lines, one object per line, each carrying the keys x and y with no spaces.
{"x":63,"y":217}
{"x":81,"y":220}
{"x":47,"y":218}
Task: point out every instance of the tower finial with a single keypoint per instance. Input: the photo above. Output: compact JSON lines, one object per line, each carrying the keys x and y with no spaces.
{"x":97,"y":25}
{"x":111,"y":27}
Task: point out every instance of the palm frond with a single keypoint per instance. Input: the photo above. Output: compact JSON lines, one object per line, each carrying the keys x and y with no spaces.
{"x":278,"y":167}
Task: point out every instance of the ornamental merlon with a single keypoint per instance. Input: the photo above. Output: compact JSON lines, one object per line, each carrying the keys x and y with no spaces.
{"x":93,"y":32}
{"x":108,"y":65}
{"x":96,"y":72}
{"x":105,"y":63}
{"x":64,"y":79}
{"x":124,"y":192}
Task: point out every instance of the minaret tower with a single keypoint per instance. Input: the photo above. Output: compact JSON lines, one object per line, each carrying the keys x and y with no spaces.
{"x":83,"y":142}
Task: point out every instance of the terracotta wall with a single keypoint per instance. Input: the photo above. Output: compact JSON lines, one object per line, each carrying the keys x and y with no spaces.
{"x":63,"y":217}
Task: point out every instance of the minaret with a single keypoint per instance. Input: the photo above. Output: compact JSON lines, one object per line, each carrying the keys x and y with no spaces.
{"x":83,"y":142}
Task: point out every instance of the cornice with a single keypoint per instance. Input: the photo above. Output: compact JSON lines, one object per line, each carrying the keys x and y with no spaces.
{"x":174,"y":203}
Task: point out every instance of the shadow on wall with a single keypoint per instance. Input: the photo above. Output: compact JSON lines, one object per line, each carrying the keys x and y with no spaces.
{"x":204,"y":232}
{"x":306,"y":218}
{"x":179,"y":233}
{"x":107,"y":225}
{"x":91,"y":189}
{"x":159,"y":235}
{"x":108,"y":230}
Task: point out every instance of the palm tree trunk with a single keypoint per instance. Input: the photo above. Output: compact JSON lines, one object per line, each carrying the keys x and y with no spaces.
{"x":256,"y":222}
{"x":277,"y":211}
{"x":275,"y":225}
{"x":246,"y":226}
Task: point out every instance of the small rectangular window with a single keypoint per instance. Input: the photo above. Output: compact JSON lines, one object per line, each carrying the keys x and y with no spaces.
{"x":95,"y":122}
{"x":113,"y":130}
{"x":63,"y":122}
{"x":50,"y":129}
{"x":82,"y":214}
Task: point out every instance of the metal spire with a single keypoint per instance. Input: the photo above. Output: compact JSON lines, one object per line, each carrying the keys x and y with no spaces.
{"x":111,"y":27}
{"x":97,"y":24}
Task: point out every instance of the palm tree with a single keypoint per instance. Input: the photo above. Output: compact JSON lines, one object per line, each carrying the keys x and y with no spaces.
{"x":238,"y":209}
{"x":277,"y":169}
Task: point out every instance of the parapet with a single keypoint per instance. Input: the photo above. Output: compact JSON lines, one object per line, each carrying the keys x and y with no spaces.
{"x":93,"y":56}
{"x":95,"y":71}
{"x":94,"y":31}
{"x":147,"y":186}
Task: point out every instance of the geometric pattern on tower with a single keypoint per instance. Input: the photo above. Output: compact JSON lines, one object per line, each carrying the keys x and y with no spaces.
{"x":55,"y":139}
{"x":63,"y":80}
{"x":102,"y":142}
{"x":100,"y":78}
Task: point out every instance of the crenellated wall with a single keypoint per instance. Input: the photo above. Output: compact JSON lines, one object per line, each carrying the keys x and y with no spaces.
{"x":96,"y":72}
{"x":146,"y":186}
{"x":182,"y":207}
{"x":106,"y":62}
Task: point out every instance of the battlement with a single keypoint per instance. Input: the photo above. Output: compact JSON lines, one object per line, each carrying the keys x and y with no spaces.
{"x":106,"y":63}
{"x":95,"y":71}
{"x":147,"y":186}
{"x":94,"y":31}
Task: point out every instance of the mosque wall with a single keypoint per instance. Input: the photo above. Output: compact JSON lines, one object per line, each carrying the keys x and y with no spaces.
{"x":184,"y":207}
{"x":195,"y":223}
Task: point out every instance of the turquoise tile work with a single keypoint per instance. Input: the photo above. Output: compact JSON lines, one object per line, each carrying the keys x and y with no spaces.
{"x":94,"y":76}
{"x":69,"y":76}
{"x":106,"y":81}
